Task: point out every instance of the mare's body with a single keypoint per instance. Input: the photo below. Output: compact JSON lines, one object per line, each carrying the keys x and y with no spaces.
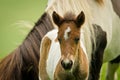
{"x":100,"y":31}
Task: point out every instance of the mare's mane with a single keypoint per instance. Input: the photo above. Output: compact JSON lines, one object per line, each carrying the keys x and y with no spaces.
{"x":22,"y":63}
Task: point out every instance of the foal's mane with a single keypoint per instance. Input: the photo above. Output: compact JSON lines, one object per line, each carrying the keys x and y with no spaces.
{"x":22,"y":63}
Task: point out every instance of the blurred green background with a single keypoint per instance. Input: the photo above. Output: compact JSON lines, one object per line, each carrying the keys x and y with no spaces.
{"x":16,"y":16}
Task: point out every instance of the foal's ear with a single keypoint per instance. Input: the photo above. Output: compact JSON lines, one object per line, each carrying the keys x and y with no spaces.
{"x":57,"y":19}
{"x":80,"y":19}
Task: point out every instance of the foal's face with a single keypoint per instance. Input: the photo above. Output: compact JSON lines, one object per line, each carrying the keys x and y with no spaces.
{"x":68,"y":37}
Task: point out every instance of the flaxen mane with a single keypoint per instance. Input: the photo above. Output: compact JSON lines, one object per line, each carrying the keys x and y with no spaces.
{"x":22,"y":63}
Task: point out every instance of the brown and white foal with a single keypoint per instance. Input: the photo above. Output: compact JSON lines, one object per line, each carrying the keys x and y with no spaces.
{"x":62,"y":55}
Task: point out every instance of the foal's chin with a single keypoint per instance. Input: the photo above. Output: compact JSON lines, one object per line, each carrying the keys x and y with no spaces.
{"x":62,"y":74}
{"x":70,"y":74}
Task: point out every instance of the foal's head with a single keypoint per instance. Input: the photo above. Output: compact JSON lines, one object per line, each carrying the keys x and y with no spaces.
{"x":68,"y":36}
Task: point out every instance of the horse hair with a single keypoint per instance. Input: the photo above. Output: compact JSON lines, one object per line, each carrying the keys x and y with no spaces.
{"x":100,"y":1}
{"x":22,"y":63}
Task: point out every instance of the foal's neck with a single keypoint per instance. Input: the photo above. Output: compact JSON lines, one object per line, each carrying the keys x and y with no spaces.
{"x":81,"y":66}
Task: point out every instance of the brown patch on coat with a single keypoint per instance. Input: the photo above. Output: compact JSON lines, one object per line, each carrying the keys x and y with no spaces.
{"x":97,"y":52}
{"x":45,"y":47}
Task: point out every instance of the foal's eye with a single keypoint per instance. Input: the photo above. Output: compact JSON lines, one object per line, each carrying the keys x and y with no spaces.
{"x":76,"y":40}
{"x":60,"y":40}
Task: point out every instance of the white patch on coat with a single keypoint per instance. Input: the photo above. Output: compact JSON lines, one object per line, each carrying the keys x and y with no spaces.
{"x":66,"y":36}
{"x":54,"y":54}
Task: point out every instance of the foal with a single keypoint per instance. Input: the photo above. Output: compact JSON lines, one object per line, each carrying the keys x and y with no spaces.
{"x":73,"y":62}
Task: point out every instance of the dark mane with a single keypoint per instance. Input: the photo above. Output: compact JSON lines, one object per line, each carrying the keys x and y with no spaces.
{"x":22,"y":63}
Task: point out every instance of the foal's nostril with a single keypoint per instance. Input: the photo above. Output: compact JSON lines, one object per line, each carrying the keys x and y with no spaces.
{"x":67,"y":65}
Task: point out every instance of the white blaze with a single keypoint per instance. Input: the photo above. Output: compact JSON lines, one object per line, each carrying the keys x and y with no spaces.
{"x":66,"y":36}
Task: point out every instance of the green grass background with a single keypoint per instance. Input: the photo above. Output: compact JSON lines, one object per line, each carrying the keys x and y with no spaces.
{"x":12,"y":14}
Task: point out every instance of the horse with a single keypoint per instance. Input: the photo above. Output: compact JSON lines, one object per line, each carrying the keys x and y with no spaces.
{"x":22,"y":63}
{"x":83,"y":39}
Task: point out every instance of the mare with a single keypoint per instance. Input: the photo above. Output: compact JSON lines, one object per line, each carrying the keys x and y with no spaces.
{"x":22,"y":63}
{"x":77,"y":48}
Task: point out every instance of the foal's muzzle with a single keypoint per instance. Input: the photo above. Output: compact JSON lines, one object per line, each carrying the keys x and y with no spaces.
{"x":67,"y":65}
